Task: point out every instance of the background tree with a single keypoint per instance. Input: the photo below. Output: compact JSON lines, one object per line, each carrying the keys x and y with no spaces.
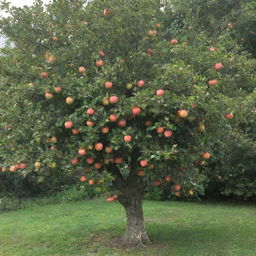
{"x":113,"y":94}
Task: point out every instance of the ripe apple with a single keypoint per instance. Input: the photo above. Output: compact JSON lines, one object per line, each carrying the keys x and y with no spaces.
{"x":83,"y":179}
{"x":4,"y":169}
{"x":160,"y":92}
{"x":143,"y":163}
{"x":140,"y":83}
{"x":48,"y":95}
{"x":108,"y":149}
{"x":97,"y":165}
{"x":182,"y":113}
{"x":230,"y":25}
{"x":206,"y":155}
{"x":89,"y":123}
{"x":213,"y":82}
{"x":141,"y":173}
{"x":136,"y":111}
{"x":121,"y":123}
{"x":212,"y":49}
{"x":127,"y":138}
{"x":69,"y":100}
{"x":37,"y":165}
{"x":52,"y":59}
{"x":23,"y":166}
{"x":106,"y":12}
{"x":110,"y":199}
{"x":81,"y":151}
{"x":102,"y":53}
{"x":160,"y":130}
{"x":168,"y":178}
{"x":68,"y":124}
{"x":53,"y":148}
{"x":75,"y":131}
{"x":168,"y":133}
{"x":158,"y":25}
{"x":173,"y":41}
{"x":44,"y":74}
{"x":118,"y":160}
{"x":74,"y":161}
{"x":53,"y":139}
{"x":176,"y":187}
{"x":157,"y":183}
{"x":104,"y":130}
{"x":229,"y":115}
{"x":201,"y":163}
{"x":54,"y":38}
{"x":89,"y":160}
{"x":177,"y":193}
{"x":90,"y":111}
{"x":129,"y":86}
{"x":13,"y":168}
{"x":58,"y":89}
{"x":98,"y":146}
{"x":99,"y":63}
{"x":113,"y":118}
{"x":81,"y":69}
{"x":91,"y":182}
{"x":149,"y":51}
{"x":113,"y":99}
{"x":108,"y":85}
{"x":218,"y":66}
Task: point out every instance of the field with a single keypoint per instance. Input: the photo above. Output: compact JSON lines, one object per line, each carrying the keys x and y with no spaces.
{"x":91,"y":227}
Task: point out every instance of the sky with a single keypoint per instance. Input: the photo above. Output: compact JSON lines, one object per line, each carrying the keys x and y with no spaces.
{"x":19,"y":3}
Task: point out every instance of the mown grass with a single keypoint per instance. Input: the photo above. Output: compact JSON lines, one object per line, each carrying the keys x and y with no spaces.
{"x":89,"y":228}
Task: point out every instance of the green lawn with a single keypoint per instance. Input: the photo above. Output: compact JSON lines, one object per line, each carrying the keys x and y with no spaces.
{"x":89,"y":227}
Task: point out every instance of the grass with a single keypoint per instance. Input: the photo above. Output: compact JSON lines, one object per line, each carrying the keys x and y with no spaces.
{"x":88,"y":228}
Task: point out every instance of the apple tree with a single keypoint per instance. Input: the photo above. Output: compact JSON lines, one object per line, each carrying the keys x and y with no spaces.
{"x":114,"y":95}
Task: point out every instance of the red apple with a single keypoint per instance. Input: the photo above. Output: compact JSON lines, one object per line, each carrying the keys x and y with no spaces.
{"x":148,"y":123}
{"x":97,"y":165}
{"x":108,"y":85}
{"x":118,"y":160}
{"x":104,"y":130}
{"x":83,"y":179}
{"x":229,"y":115}
{"x":174,"y":41}
{"x":48,"y":95}
{"x":113,"y":99}
{"x":140,"y":83}
{"x":102,"y":53}
{"x":52,"y":59}
{"x":157,"y":183}
{"x":89,"y":160}
{"x":160,"y":92}
{"x":44,"y":74}
{"x":212,"y":49}
{"x":141,"y":173}
{"x":106,"y":12}
{"x":127,"y":138}
{"x":54,"y":38}
{"x":168,"y":178}
{"x":74,"y":161}
{"x":149,"y":51}
{"x":121,"y":123}
{"x":4,"y":169}
{"x":176,"y":187}
{"x":160,"y":130}
{"x":158,"y":25}
{"x":168,"y":133}
{"x":110,"y":199}
{"x":218,"y":66}
{"x":89,"y":123}
{"x":113,"y":118}
{"x":206,"y":155}
{"x":213,"y":82}
{"x":136,"y":111}
{"x":81,"y":151}
{"x":75,"y":131}
{"x":143,"y":163}
{"x":13,"y":168}
{"x":98,"y":146}
{"x":152,"y":32}
{"x":90,"y":111}
{"x":68,"y":124}
{"x":182,"y":113}
{"x":58,"y":89}
{"x":81,"y":69}
{"x":23,"y":166}
{"x":99,"y":63}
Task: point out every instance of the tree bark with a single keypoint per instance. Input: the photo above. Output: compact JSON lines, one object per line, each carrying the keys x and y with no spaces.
{"x":135,"y":235}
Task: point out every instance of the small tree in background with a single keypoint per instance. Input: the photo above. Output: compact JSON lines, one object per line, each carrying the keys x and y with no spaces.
{"x":113,"y":94}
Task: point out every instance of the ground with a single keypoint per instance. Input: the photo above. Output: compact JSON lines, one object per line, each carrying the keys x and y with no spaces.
{"x":90,"y":228}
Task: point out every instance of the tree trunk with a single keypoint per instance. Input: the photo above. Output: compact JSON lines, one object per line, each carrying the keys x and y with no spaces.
{"x":135,"y":234}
